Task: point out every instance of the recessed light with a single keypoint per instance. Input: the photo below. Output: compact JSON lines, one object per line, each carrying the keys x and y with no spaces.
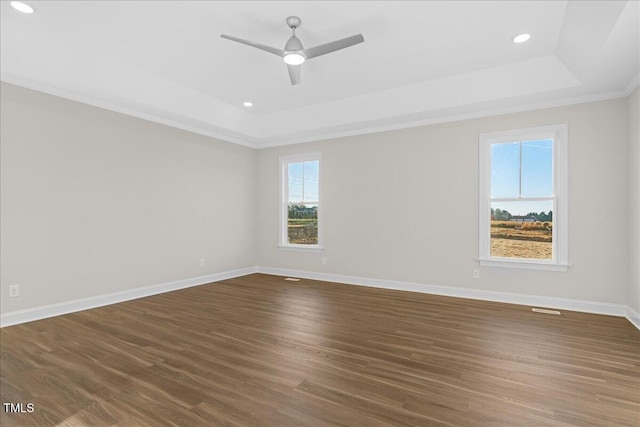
{"x":247,"y":104}
{"x":521,"y":38}
{"x":22,"y":7}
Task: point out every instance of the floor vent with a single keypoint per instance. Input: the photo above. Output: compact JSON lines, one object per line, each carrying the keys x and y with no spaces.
{"x":545,"y":311}
{"x":292,"y":279}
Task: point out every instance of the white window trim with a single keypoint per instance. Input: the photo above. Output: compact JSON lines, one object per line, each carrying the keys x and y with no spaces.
{"x":284,"y":192}
{"x":559,"y":133}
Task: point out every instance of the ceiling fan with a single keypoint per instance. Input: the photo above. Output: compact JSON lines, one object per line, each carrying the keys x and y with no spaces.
{"x":294,"y":54}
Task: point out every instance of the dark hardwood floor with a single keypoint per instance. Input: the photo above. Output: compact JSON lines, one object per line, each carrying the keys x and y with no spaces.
{"x":261,"y":351}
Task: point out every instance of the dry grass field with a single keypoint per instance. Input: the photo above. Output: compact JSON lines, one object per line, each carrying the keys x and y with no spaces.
{"x":520,"y":249}
{"x":521,"y":240}
{"x":303,"y":231}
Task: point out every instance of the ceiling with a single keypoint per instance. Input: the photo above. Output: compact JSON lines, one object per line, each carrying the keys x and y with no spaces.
{"x":421,"y":62}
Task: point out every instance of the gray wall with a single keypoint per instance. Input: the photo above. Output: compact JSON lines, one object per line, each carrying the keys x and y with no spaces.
{"x":634,"y":200}
{"x":95,"y":202}
{"x":420,"y":189}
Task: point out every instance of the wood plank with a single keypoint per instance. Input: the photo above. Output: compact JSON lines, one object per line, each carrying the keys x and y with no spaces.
{"x":258,"y":350}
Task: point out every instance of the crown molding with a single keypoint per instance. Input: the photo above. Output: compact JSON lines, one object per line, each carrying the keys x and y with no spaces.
{"x":140,"y":111}
{"x":353,"y":129}
{"x":410,"y":121}
{"x":632,"y":85}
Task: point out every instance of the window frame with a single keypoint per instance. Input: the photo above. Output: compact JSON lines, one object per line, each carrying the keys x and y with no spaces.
{"x":284,"y":162}
{"x":560,"y":187}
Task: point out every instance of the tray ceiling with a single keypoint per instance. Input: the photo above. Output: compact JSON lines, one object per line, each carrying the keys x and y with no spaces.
{"x":421,"y":62}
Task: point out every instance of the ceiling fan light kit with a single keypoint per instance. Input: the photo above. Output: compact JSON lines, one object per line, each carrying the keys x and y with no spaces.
{"x":294,"y":54}
{"x":293,"y":59}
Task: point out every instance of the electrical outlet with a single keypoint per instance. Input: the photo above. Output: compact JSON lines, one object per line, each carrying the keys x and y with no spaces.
{"x":476,"y":274}
{"x":14,"y":291}
{"x":324,"y":260}
{"x":202,"y":262}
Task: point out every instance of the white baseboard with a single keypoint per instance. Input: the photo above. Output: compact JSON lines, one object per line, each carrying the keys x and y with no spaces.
{"x":633,"y":317}
{"x":451,"y":291}
{"x":37,"y":313}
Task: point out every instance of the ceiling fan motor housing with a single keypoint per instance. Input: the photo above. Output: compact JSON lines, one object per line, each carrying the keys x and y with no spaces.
{"x":293,"y":44}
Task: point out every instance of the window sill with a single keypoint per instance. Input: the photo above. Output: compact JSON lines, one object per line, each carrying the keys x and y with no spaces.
{"x":301,"y":248}
{"x":526,"y":265}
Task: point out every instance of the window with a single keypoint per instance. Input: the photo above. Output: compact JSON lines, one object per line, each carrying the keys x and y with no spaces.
{"x":300,"y":202}
{"x":523,"y":217}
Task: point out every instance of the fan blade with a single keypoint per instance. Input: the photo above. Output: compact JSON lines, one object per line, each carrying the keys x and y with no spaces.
{"x":323,"y":49}
{"x":294,"y":74}
{"x":269,"y":49}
